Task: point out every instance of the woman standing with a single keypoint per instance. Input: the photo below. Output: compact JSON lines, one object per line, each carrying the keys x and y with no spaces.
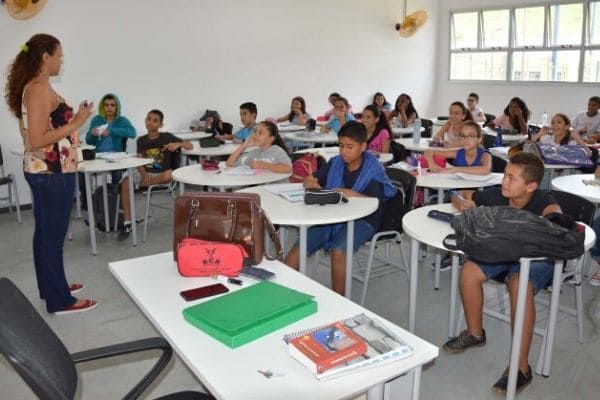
{"x":49,"y":131}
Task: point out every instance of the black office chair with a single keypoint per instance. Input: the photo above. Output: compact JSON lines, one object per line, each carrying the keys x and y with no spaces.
{"x":498,"y":164}
{"x":488,"y":118}
{"x":428,"y":125}
{"x":488,"y":141}
{"x":41,"y":359}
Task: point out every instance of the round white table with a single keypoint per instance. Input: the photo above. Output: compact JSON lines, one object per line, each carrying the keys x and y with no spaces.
{"x":574,"y":184}
{"x":283,"y":212}
{"x":505,"y":138}
{"x":189,"y":135}
{"x":502,"y":152}
{"x":330,"y":152}
{"x":421,"y":146}
{"x":102,"y":166}
{"x":287,"y":127}
{"x":423,"y":229}
{"x":195,"y":175}
{"x":400,"y":131}
{"x":222,"y":150}
{"x":312,"y":137}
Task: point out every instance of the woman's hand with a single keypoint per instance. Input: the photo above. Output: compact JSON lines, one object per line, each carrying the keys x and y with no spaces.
{"x":83,"y":113}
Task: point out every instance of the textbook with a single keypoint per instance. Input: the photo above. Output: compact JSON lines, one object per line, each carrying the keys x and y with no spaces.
{"x":327,"y":347}
{"x":252,"y":312}
{"x":383,"y":346}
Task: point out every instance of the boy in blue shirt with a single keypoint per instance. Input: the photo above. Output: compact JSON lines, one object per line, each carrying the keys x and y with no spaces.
{"x":248,"y":114}
{"x":354,"y":173}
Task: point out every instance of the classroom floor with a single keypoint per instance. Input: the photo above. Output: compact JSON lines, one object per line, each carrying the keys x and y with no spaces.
{"x":575,"y":368}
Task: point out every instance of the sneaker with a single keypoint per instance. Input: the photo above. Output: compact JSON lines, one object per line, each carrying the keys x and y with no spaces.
{"x":124,"y":233}
{"x":86,"y":305}
{"x":75,"y":287}
{"x":463,"y":342}
{"x":523,"y":379}
{"x":595,"y":279}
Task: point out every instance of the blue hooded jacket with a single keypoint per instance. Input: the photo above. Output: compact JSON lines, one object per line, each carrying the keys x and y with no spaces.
{"x":120,"y":129}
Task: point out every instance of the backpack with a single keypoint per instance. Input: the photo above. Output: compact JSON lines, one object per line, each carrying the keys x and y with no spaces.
{"x":505,"y":234}
{"x":112,"y":192}
{"x":306,"y":164}
{"x":566,"y":154}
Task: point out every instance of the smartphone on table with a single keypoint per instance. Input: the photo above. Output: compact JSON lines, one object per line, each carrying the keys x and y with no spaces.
{"x":204,"y":291}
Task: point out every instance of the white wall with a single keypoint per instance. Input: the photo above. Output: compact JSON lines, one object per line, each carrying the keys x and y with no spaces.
{"x":186,"y":55}
{"x":567,"y":98}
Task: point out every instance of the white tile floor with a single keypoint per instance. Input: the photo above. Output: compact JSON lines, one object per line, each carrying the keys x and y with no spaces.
{"x":575,"y":369}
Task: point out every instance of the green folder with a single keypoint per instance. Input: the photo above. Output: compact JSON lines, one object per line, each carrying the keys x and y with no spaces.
{"x":250,"y":313}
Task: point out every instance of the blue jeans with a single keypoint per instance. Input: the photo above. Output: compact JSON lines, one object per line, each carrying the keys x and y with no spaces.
{"x":540,"y":272}
{"x":52,"y":203}
{"x":315,"y":240}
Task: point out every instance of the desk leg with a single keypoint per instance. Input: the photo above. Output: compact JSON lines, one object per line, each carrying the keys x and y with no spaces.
{"x":515,"y":350}
{"x":303,"y":255}
{"x":453,"y":294}
{"x":181,"y":188}
{"x":554,"y":302}
{"x":438,"y":256}
{"x":130,"y":172}
{"x":91,"y":221}
{"x":416,"y":389}
{"x":77,"y":199}
{"x":376,"y":392}
{"x":105,"y":201}
{"x":412,"y":299}
{"x":349,"y":253}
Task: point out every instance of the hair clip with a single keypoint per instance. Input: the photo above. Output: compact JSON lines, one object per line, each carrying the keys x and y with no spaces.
{"x":24,"y":48}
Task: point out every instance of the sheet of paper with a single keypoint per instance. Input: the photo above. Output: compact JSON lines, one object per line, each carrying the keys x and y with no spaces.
{"x":239,"y":171}
{"x":293,"y":192}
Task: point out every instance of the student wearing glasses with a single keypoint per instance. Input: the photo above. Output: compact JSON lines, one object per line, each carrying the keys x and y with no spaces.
{"x":470,"y":158}
{"x":473,"y":106}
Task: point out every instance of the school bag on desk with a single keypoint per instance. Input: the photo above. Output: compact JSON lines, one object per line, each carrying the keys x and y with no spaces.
{"x":228,"y":218}
{"x":566,"y":154}
{"x":505,"y":234}
{"x":305,"y":164}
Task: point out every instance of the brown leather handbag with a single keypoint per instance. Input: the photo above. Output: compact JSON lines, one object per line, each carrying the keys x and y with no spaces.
{"x":225,"y":217}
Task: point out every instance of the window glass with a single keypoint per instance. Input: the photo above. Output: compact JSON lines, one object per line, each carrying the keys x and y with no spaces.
{"x":464,"y":33}
{"x":495,"y":28}
{"x":561,"y":66}
{"x":566,"y":21}
{"x":529,"y":26}
{"x":483,"y":66}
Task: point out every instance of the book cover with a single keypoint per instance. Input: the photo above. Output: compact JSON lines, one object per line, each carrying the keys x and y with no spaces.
{"x":383,"y":346}
{"x":327,"y":347}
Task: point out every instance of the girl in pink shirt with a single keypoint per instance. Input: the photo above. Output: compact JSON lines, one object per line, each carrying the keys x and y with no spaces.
{"x":378,"y":129}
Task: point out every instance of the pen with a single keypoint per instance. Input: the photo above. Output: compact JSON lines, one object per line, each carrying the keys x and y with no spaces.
{"x":226,"y":279}
{"x":457,"y":194}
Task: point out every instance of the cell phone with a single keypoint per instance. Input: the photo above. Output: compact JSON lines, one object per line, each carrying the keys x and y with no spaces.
{"x":257,"y":273}
{"x":204,"y":291}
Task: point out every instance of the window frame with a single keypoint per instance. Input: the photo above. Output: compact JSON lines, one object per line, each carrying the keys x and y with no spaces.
{"x":581,"y":48}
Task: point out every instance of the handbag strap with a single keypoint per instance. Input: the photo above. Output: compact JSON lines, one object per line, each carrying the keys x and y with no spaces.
{"x":231,"y":209}
{"x":272,"y":234}
{"x":450,"y":242}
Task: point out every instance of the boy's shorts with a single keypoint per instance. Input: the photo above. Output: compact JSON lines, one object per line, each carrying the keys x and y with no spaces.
{"x":363,"y":232}
{"x":540,"y":272}
{"x":154,"y":176}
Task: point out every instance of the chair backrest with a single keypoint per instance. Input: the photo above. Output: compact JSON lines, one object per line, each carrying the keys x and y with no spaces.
{"x":427,"y":124}
{"x":498,"y":164}
{"x":488,"y":118}
{"x":395,"y":208}
{"x":1,"y":163}
{"x":488,"y":141}
{"x":32,"y":348}
{"x":227,"y":128}
{"x":574,"y":206}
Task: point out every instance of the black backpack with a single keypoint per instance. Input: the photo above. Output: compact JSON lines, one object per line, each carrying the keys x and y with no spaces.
{"x":505,"y":234}
{"x":112,"y":191}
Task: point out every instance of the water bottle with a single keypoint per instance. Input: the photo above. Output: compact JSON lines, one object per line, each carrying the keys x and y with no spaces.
{"x":544,"y":119}
{"x":417,"y":131}
{"x":498,"y":142}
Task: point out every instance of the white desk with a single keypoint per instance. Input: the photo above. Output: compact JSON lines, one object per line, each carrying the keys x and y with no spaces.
{"x":433,"y":235}
{"x":232,"y":373}
{"x":222,"y":150}
{"x":505,"y":137}
{"x":312,"y":137}
{"x":287,"y":127}
{"x":102,"y":166}
{"x":400,"y":131}
{"x":421,"y":146}
{"x":189,"y":135}
{"x":574,"y":184}
{"x":195,"y":175}
{"x":502,"y":152}
{"x":329,"y":152}
{"x":283,"y":212}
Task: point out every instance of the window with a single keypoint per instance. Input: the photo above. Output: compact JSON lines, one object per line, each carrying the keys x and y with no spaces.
{"x":544,"y":43}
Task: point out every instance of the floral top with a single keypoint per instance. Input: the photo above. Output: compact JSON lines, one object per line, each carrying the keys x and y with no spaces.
{"x":57,"y":157}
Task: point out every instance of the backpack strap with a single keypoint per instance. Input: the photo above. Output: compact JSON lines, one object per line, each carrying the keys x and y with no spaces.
{"x":450,"y":242}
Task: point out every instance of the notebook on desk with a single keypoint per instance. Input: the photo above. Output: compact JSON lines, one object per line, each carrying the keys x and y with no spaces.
{"x":250,"y":313}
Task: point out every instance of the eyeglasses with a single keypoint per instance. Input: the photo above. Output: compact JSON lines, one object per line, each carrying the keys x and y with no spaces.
{"x":465,"y":137}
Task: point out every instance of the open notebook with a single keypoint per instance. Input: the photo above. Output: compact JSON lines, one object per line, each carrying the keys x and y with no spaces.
{"x":293,"y":192}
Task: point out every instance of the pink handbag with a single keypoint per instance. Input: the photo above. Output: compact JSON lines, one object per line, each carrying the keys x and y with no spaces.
{"x":196,"y":257}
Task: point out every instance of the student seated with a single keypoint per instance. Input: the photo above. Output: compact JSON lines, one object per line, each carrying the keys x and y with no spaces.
{"x":108,"y":132}
{"x":587,"y":123}
{"x":473,"y":106}
{"x":211,"y":122}
{"x":340,"y":117}
{"x":520,"y":189}
{"x":559,"y":133}
{"x":515,"y":116}
{"x":331,"y":99}
{"x":448,"y":133}
{"x":595,"y":251}
{"x":160,"y":147}
{"x":271,"y":154}
{"x":471,"y":158}
{"x":354,"y":173}
{"x":381,"y":103}
{"x":378,"y":129}
{"x":248,"y":114}
{"x":297,"y":114}
{"x":404,"y":111}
